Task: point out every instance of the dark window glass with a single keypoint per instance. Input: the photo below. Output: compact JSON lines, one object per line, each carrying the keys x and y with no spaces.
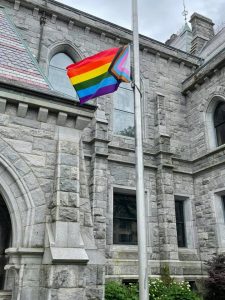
{"x":193,"y":286}
{"x":123,"y":123}
{"x":124,"y":219}
{"x":129,"y":281}
{"x":219,"y":123}
{"x":180,"y":222}
{"x":223,"y":200}
{"x":58,"y":76}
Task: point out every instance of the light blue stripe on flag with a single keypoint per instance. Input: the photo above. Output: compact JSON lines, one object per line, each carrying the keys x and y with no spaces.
{"x":93,"y":89}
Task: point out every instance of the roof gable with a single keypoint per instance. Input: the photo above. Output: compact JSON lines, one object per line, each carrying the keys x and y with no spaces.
{"x":17,"y":64}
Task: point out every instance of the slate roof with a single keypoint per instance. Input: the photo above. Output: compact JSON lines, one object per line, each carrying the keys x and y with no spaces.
{"x":17,"y":64}
{"x":183,"y":39}
{"x":214,"y":46}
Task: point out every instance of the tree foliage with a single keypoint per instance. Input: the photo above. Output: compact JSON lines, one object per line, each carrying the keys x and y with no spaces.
{"x":215,"y":283}
{"x":129,"y":131}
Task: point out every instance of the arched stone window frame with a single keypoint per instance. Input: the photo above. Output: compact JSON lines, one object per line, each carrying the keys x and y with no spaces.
{"x":23,"y":197}
{"x":65,"y":47}
{"x":209,"y":121}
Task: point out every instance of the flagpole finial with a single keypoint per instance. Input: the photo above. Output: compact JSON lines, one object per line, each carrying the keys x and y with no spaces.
{"x":185,"y":12}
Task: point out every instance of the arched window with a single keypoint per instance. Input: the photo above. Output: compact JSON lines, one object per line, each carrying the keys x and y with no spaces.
{"x":57,"y":74}
{"x":219,"y":123}
{"x":123,"y":123}
{"x":5,"y":238}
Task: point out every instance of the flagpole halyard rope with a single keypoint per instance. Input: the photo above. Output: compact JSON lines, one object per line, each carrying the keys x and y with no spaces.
{"x":133,"y":85}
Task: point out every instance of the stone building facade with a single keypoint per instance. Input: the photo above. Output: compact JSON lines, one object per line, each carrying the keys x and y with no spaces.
{"x":67,"y":172}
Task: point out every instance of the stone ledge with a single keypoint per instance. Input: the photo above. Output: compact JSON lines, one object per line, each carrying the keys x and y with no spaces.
{"x":121,"y":161}
{"x":126,"y":248}
{"x":212,"y":166}
{"x":54,"y":104}
{"x":68,"y":255}
{"x":216,"y":150}
{"x":221,"y":250}
{"x":28,"y":251}
{"x":5,"y":295}
{"x":196,"y":172}
{"x":182,"y":172}
{"x":206,"y":70}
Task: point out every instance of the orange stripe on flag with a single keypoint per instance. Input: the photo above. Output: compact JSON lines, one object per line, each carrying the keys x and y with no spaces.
{"x":73,"y":71}
{"x":90,"y":74}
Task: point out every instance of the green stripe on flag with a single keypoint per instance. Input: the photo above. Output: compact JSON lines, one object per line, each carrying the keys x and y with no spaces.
{"x":91,"y":82}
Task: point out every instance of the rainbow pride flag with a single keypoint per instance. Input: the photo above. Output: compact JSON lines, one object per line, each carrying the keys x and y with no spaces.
{"x":101,"y":73}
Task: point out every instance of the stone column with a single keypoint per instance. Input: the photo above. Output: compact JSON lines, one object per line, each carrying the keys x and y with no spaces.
{"x":166,"y":212}
{"x":67,"y":243}
{"x":65,"y":258}
{"x":164,"y":186}
{"x":74,"y":267}
{"x":99,"y":179}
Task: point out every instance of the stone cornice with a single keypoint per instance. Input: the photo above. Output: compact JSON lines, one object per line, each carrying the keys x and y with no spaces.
{"x":204,"y":72}
{"x":46,"y":100}
{"x":105,"y":28}
{"x":44,"y":105}
{"x":193,"y":167}
{"x":209,"y":154}
{"x":203,"y":163}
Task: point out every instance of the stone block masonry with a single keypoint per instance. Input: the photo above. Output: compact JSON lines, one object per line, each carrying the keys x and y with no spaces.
{"x":60,"y":163}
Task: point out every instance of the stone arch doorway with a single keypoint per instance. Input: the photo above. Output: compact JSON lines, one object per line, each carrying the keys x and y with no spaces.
{"x":5,"y":238}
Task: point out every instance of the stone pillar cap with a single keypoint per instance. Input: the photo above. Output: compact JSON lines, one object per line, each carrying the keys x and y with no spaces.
{"x":201,"y":17}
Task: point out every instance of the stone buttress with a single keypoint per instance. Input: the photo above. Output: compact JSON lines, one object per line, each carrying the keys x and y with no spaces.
{"x":72,"y":260}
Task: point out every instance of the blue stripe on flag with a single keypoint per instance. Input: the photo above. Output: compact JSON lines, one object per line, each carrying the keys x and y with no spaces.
{"x":93,"y":89}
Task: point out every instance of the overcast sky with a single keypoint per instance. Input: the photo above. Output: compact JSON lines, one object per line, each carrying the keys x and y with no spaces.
{"x":158,"y":19}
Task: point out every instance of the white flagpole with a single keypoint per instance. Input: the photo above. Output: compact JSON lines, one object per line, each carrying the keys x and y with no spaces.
{"x":140,"y":195}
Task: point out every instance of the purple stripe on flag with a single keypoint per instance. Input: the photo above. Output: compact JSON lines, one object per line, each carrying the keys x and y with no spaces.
{"x":103,"y":91}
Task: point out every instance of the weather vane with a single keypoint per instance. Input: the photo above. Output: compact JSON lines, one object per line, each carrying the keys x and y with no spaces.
{"x":185,"y":12}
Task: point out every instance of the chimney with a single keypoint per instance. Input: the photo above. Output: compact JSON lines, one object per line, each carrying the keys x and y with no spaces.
{"x":202,"y":31}
{"x":171,"y":39}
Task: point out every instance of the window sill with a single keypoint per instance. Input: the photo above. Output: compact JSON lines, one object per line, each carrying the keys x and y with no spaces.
{"x":187,"y":254}
{"x":211,"y":151}
{"x":187,"y":250}
{"x":221,"y":250}
{"x":124,"y":248}
{"x":5,"y":294}
{"x":132,"y":138}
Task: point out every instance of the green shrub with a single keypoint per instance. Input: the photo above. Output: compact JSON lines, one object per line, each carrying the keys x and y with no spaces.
{"x":158,"y":290}
{"x":117,"y":291}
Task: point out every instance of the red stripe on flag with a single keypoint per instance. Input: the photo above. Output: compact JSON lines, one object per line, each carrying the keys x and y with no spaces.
{"x":94,"y":58}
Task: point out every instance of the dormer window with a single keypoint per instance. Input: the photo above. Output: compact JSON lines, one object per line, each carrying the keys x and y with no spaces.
{"x":219,"y":123}
{"x":57,"y":74}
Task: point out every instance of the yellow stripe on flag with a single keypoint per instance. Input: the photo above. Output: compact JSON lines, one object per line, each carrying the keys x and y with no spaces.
{"x":91,"y":74}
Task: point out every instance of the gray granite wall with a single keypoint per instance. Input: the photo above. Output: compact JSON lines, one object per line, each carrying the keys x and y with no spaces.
{"x":178,"y":161}
{"x":44,"y":184}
